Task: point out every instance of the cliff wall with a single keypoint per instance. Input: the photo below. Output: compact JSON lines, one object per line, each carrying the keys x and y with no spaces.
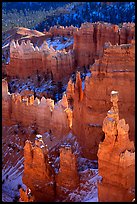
{"x":114,"y":71}
{"x":90,"y":38}
{"x":27,"y":60}
{"x":62,"y":31}
{"x":116,"y":158}
{"x":42,"y":114}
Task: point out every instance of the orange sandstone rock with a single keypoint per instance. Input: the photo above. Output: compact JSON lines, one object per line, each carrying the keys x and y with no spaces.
{"x":42,"y":114}
{"x":78,"y":87}
{"x":27,"y":60}
{"x":116,"y":159}
{"x":114,"y":71}
{"x":62,"y":31}
{"x":70,"y":92}
{"x":68,"y":177}
{"x":6,"y":104}
{"x":25,"y":196}
{"x":90,"y":38}
{"x":38,"y":174}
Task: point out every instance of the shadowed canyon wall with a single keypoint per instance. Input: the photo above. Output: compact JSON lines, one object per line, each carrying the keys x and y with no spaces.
{"x":114,"y":71}
{"x":116,"y":158}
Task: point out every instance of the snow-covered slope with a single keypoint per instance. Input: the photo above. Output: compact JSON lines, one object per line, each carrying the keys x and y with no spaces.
{"x":13,"y":139}
{"x":60,"y":43}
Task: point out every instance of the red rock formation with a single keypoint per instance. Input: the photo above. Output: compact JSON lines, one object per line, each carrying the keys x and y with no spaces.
{"x":25,"y":196}
{"x":25,"y":60}
{"x":127,"y":33}
{"x":90,"y":38}
{"x":70,"y":92}
{"x":38,"y":174}
{"x":83,"y":45}
{"x":78,"y":87}
{"x":68,"y":177}
{"x":62,"y":31}
{"x":69,"y":116}
{"x":63,"y":103}
{"x":4,"y":70}
{"x":42,"y":114}
{"x":114,"y":71}
{"x":6,"y":104}
{"x":116,"y":158}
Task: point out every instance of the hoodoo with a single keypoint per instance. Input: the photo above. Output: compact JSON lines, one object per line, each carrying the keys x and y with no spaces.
{"x":116,"y":158}
{"x":27,"y":60}
{"x":115,"y":70}
{"x":38,"y":173}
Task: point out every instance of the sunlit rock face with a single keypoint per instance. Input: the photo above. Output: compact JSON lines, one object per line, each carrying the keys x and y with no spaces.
{"x":26,"y":195}
{"x":6,"y":104}
{"x":114,"y":71}
{"x":90,"y":38}
{"x":67,"y":177}
{"x":38,"y":173}
{"x":61,"y":30}
{"x":42,"y":114}
{"x":27,"y":60}
{"x":116,"y":158}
